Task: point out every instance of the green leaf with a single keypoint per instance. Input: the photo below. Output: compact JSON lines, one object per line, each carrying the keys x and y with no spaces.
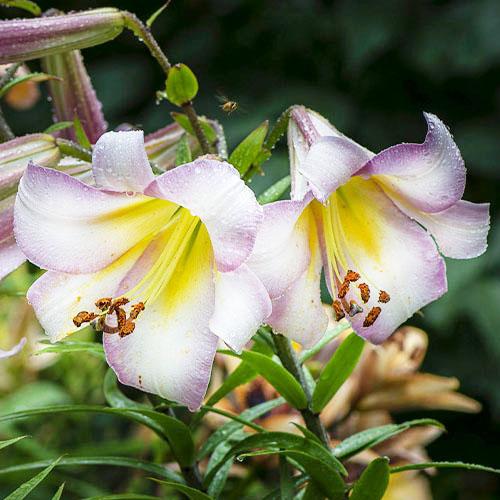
{"x":34,"y":77}
{"x":74,"y":346}
{"x":336,"y":371}
{"x":26,"y":488}
{"x":58,"y":493}
{"x":373,"y":482}
{"x":286,"y":483}
{"x":245,"y":154}
{"x":371,"y":437}
{"x":327,"y":338}
{"x":8,"y":442}
{"x":312,"y":492}
{"x":280,"y":378}
{"x":184,"y":122}
{"x":182,"y":152}
{"x":278,"y":130}
{"x":56,"y":127}
{"x":224,"y":432}
{"x":155,"y":14}
{"x":192,"y":493}
{"x":274,"y":192}
{"x":443,"y":465}
{"x":182,"y":85}
{"x":131,"y":463}
{"x":123,"y":496}
{"x":219,"y":480}
{"x":81,"y":136}
{"x":26,"y":5}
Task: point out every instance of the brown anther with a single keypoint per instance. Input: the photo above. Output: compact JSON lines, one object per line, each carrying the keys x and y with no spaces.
{"x":103,"y":303}
{"x":383,"y":297}
{"x":365,"y":292}
{"x":136,"y":310}
{"x":121,"y":317}
{"x":127,"y":328}
{"x":371,"y":316}
{"x":337,"y":309}
{"x":344,"y":288}
{"x":83,"y":317}
{"x":351,"y":276}
{"x":354,"y":308}
{"x":118,"y":303}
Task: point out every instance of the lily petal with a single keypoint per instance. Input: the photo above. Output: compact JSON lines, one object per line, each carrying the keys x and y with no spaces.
{"x":171,"y":350}
{"x":299,"y":313}
{"x":431,"y":175}
{"x":15,"y":350}
{"x":120,"y":163}
{"x":11,"y":256}
{"x":331,"y":162}
{"x":460,"y":231}
{"x":214,"y":191}
{"x":241,"y":306}
{"x":60,"y":222}
{"x":391,"y":253}
{"x":281,"y":252}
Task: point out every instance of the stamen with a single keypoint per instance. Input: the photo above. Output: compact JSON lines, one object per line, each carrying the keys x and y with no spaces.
{"x":344,"y":288}
{"x":371,"y":316}
{"x":337,"y":309}
{"x":83,"y":317}
{"x":103,"y":303}
{"x":127,"y":328}
{"x":384,"y":297}
{"x":351,"y":276}
{"x":354,"y":308}
{"x":136,"y":310}
{"x":117,"y":303}
{"x":365,"y":292}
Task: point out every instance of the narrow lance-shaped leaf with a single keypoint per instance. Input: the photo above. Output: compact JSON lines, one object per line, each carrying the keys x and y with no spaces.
{"x":336,"y":371}
{"x":26,"y":5}
{"x":58,"y":493}
{"x":373,"y":482}
{"x":9,"y":442}
{"x":245,"y":154}
{"x":25,"y":39}
{"x":33,"y":77}
{"x":275,"y":192}
{"x":443,"y":465}
{"x":191,"y":493}
{"x":26,"y":488}
{"x":74,"y":95}
{"x":183,"y":153}
{"x":280,"y":378}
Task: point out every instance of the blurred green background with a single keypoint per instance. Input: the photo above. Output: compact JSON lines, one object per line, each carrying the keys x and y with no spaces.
{"x":371,"y":68}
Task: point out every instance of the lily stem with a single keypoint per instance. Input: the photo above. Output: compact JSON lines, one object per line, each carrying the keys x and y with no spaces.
{"x":195,"y":123}
{"x":291,"y":363}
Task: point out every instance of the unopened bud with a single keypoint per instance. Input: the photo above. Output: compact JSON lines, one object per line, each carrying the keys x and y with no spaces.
{"x":24,"y":39}
{"x":182,"y":85}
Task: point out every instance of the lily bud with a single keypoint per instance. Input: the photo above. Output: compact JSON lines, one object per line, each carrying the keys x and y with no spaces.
{"x":161,"y":145}
{"x":74,"y":95}
{"x":25,"y":39}
{"x":16,"y":154}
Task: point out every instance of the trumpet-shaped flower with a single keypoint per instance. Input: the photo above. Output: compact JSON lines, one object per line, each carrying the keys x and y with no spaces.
{"x":377,"y":224}
{"x":157,"y":263}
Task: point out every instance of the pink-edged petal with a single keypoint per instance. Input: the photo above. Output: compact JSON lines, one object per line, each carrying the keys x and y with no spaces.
{"x":241,"y":306}
{"x":331,"y":162}
{"x":171,"y":350}
{"x":65,"y":225}
{"x":120,"y":163}
{"x":391,"y":253}
{"x":281,"y":252}
{"x":460,"y":231}
{"x":213,"y":191}
{"x":11,"y":256}
{"x":58,"y":297}
{"x":299,"y":313}
{"x":15,"y":350}
{"x":430,"y":176}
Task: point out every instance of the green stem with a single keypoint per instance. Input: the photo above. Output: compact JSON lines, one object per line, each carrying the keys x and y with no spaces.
{"x":291,"y":363}
{"x":144,"y":34}
{"x":195,"y":123}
